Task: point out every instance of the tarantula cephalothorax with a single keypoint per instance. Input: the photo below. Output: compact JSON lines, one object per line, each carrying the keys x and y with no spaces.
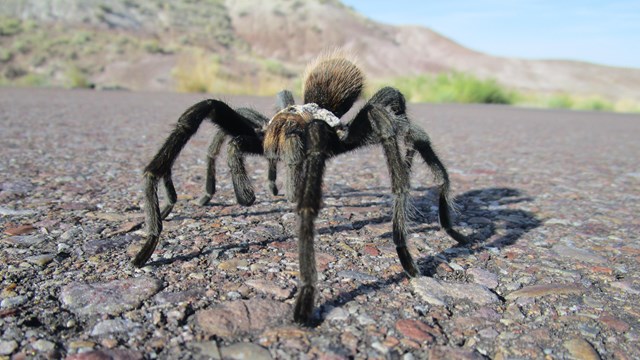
{"x":304,"y":137}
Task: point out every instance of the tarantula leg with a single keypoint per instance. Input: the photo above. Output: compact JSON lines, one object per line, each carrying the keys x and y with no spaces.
{"x":293,"y":154}
{"x":284,"y":99}
{"x":241,"y":182}
{"x":212,"y":154}
{"x":382,"y":126}
{"x":309,"y":200}
{"x":408,"y":158}
{"x":153,"y":220}
{"x":422,"y":144}
{"x":160,"y":166}
{"x":172,"y":197}
{"x":273,"y":171}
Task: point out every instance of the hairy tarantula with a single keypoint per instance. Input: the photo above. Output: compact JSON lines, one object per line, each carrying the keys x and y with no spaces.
{"x":304,"y":137}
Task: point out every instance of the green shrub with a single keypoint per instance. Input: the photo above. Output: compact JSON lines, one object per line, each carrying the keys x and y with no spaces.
{"x":278,"y":69}
{"x":595,"y":104}
{"x":77,"y":78}
{"x":5,"y":56}
{"x":81,"y":38}
{"x":455,"y":87}
{"x":155,"y":47}
{"x":10,"y":26}
{"x":32,"y":80}
{"x":562,"y":101}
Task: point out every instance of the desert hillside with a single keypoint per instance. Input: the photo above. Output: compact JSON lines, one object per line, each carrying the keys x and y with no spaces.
{"x":152,"y":45}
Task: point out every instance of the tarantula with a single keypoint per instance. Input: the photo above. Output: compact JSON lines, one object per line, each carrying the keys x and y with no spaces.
{"x":304,"y":137}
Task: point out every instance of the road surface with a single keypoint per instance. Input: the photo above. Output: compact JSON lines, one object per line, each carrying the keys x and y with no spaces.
{"x":552,"y":197}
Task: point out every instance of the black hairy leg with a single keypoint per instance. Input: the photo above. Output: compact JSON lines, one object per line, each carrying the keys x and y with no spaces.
{"x":382,"y":123}
{"x":212,"y":154}
{"x":309,"y":199}
{"x":283,"y":99}
{"x":422,"y":145}
{"x":293,"y":157}
{"x":417,"y":140}
{"x":230,"y":121}
{"x":258,"y":121}
{"x":375,"y":124}
{"x":236,"y":149}
{"x":272,"y":174}
{"x":172,"y":197}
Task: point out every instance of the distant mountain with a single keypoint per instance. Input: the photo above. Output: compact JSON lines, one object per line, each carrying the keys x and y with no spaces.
{"x":138,"y":43}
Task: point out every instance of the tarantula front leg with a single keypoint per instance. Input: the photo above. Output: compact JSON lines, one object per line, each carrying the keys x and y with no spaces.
{"x":284,"y":99}
{"x":293,"y":156}
{"x":309,"y":199}
{"x":291,"y":153}
{"x":272,"y":175}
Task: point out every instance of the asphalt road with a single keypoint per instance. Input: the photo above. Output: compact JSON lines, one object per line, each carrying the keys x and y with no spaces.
{"x":552,"y":197}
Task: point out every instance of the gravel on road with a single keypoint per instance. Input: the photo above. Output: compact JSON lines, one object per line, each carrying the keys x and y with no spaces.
{"x":551,"y":197}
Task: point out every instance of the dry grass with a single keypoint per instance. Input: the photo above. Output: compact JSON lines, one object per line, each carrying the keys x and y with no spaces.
{"x":196,"y":73}
{"x":205,"y":73}
{"x":577,"y":102}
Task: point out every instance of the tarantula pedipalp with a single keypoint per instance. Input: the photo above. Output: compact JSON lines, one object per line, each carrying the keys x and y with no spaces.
{"x":304,"y":137}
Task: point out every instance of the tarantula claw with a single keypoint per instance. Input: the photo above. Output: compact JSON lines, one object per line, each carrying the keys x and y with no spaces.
{"x":407,"y":262}
{"x":245,"y":199}
{"x":204,"y":200}
{"x":303,"y":312}
{"x":461,"y":239}
{"x":166,"y":210}
{"x":273,"y":188}
{"x":147,"y":250}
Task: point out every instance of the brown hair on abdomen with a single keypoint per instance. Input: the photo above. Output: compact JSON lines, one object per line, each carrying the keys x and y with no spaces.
{"x":334,"y":84}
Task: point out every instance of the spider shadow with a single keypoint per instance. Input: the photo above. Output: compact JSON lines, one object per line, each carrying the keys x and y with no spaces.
{"x":247,"y":210}
{"x":484,"y":210}
{"x":484,"y":206}
{"x":221,"y":249}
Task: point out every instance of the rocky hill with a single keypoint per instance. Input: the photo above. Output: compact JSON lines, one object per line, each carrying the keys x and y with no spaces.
{"x":156,"y":45}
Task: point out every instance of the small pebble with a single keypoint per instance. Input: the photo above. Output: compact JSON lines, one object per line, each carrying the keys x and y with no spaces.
{"x":8,"y":347}
{"x":13,"y":302}
{"x":43,"y":345}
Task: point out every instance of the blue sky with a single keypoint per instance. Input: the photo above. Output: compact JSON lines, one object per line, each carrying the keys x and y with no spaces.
{"x":603,"y":32}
